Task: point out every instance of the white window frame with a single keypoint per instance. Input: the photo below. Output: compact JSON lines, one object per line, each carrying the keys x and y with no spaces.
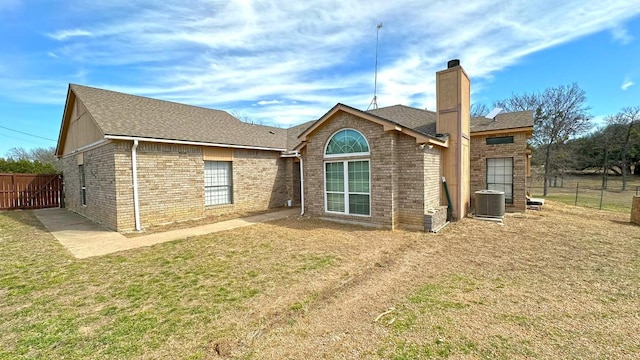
{"x":229,"y":186}
{"x":346,"y":192}
{"x":345,"y":159}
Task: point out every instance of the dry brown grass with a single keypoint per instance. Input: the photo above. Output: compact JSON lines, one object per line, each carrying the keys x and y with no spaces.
{"x":559,"y":283}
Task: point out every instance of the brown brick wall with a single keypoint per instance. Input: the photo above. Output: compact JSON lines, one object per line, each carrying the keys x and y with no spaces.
{"x":409,"y":171}
{"x":381,"y":167}
{"x":259,"y":182}
{"x":399,"y":195}
{"x":480,"y":152}
{"x":170,"y":184}
{"x":100,"y":185}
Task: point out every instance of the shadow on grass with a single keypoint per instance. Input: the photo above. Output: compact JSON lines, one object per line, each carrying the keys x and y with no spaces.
{"x":628,"y":223}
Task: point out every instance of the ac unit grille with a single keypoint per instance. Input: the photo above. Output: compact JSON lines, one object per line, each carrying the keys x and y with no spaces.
{"x":489,"y":203}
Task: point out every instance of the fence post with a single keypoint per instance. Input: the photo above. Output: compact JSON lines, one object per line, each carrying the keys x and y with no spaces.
{"x":14,"y":184}
{"x":577,"y":188}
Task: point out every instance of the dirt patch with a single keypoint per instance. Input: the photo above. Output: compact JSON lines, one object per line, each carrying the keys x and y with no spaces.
{"x":501,"y":291}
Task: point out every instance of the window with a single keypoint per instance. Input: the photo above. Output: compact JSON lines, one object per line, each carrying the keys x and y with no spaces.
{"x":347,"y":182}
{"x":347,"y":141}
{"x":217,"y":183}
{"x":500,"y":140}
{"x":500,"y":177}
{"x":83,"y":186}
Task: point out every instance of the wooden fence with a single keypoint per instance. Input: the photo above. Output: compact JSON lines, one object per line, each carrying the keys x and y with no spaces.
{"x":30,"y":191}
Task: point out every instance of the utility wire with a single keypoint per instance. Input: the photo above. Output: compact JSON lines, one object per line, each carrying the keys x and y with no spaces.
{"x":24,"y":133}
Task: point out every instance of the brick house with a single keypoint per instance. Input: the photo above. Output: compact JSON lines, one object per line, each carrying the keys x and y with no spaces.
{"x":131,"y":162}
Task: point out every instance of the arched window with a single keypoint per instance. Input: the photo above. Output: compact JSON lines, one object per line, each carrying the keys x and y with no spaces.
{"x":347,"y":141}
{"x":347,"y":182}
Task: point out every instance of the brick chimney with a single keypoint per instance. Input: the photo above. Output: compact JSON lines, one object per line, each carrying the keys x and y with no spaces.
{"x":453,"y":94}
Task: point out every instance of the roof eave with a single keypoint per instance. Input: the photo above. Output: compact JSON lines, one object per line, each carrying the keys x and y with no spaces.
{"x":63,"y":128}
{"x":189,"y":142}
{"x":386,"y":124}
{"x":526,"y":129}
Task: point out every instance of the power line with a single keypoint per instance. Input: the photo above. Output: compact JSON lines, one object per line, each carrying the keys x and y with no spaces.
{"x":24,"y":140}
{"x":25,"y":133}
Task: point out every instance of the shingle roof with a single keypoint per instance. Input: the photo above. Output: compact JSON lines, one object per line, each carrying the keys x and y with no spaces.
{"x":294,"y":132}
{"x":512,"y":120}
{"x":136,"y":116}
{"x":422,"y":121}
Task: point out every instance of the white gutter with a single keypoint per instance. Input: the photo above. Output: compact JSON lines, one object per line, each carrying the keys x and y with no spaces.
{"x":184,"y":142}
{"x":297,"y":154}
{"x":134,"y":171}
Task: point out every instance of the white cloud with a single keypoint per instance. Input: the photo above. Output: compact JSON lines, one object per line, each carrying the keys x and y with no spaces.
{"x":67,"y":34}
{"x":306,"y":55}
{"x":627,"y":83}
{"x":269,"y":102}
{"x":621,"y":35}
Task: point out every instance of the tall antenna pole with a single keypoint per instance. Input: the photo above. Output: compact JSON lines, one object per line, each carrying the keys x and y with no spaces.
{"x":374,"y":101}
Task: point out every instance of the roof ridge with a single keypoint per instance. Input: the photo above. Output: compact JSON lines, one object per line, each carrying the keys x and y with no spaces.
{"x":407,"y":107}
{"x":151,"y":98}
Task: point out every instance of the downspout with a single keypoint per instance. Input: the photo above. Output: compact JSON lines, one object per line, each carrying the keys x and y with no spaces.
{"x":134,"y":171}
{"x":301,"y":182}
{"x":450,"y":212}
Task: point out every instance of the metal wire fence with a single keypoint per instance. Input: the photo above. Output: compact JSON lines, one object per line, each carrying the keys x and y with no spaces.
{"x":589,"y":191}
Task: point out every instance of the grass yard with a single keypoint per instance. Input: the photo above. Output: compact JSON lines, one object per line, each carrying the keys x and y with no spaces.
{"x":589,"y":191}
{"x":558,"y":283}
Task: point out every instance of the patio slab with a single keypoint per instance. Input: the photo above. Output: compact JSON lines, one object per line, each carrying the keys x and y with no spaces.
{"x":85,"y":238}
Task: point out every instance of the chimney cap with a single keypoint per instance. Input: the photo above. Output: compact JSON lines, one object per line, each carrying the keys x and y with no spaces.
{"x":453,"y":63}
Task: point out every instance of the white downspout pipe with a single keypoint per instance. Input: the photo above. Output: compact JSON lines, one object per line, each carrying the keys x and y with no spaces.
{"x":134,"y":171}
{"x":301,"y":182}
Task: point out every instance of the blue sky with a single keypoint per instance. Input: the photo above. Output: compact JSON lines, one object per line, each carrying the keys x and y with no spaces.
{"x":285,"y":62}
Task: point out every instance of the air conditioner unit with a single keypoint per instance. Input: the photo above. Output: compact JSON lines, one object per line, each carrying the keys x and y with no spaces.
{"x":489,"y":203}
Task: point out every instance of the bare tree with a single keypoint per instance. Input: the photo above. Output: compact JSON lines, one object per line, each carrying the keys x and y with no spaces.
{"x":44,"y":155}
{"x":479,"y":109}
{"x":19,"y":153}
{"x":628,"y":119}
{"x":559,"y":113}
{"x":246,"y":119}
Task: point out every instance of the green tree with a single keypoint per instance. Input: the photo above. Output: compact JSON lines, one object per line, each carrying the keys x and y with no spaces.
{"x":45,"y":156}
{"x":26,"y":167}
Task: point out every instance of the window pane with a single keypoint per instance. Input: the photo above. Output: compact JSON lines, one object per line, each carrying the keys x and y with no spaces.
{"x":500,"y":140}
{"x":359,"y":176}
{"x":217,"y":173}
{"x":359,"y":204}
{"x":217,"y":195}
{"x":347,"y":142}
{"x":335,"y":176}
{"x":335,"y":202}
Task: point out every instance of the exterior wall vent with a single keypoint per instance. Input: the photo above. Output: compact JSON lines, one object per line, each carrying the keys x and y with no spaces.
{"x":489,"y":203}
